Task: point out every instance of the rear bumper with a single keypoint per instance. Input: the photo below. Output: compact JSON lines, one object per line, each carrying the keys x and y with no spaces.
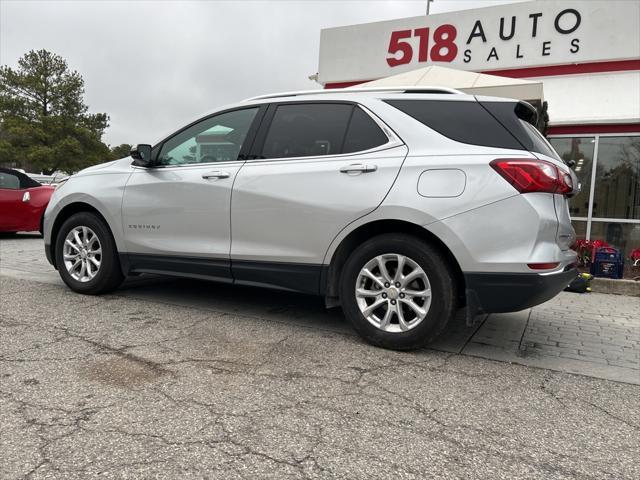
{"x":511,"y":292}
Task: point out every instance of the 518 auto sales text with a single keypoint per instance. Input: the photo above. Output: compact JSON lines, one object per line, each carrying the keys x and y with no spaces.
{"x":442,"y":46}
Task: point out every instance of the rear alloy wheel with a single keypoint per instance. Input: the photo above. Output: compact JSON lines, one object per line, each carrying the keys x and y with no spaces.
{"x":398,"y":292}
{"x":393,"y":293}
{"x":86,"y":255}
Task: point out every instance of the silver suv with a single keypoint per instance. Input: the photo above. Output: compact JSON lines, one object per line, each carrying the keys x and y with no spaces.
{"x":400,"y":205}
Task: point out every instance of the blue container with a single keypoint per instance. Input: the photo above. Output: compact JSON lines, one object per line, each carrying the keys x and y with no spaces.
{"x":608,"y":262}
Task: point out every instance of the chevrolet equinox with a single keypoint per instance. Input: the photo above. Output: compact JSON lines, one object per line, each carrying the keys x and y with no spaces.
{"x":400,"y":205}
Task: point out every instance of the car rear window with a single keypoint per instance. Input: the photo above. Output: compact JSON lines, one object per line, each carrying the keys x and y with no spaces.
{"x":520,"y":120}
{"x":466,"y":122}
{"x":489,"y":124}
{"x":363,"y":133}
{"x":306,"y":130}
{"x":317,"y":129}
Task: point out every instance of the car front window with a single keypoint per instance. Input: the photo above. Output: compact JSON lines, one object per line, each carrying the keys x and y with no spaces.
{"x":9,"y":181}
{"x":214,"y":139}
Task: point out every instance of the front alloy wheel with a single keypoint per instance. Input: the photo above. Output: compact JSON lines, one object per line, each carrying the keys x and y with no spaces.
{"x":86,"y":254}
{"x":82,"y":254}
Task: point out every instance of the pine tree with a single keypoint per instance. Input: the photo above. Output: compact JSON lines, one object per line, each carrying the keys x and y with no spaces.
{"x":44,"y":122}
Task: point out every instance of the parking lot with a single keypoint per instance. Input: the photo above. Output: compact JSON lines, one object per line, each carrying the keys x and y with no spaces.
{"x":184,"y":379}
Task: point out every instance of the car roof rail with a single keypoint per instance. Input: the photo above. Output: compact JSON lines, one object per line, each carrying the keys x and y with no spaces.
{"x":395,"y":89}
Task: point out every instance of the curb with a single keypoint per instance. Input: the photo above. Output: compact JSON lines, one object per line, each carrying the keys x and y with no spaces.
{"x":616,"y":287}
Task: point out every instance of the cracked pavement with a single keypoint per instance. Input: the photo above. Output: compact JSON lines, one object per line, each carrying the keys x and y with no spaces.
{"x":260,"y":384}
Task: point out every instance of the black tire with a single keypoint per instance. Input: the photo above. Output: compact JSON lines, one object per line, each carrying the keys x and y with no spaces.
{"x":109,"y":275}
{"x":443,"y":291}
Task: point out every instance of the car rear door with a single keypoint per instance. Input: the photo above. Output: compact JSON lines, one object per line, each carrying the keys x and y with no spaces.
{"x":319,"y":167}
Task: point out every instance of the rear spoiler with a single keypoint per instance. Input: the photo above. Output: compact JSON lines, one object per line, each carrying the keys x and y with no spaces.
{"x":527,"y":112}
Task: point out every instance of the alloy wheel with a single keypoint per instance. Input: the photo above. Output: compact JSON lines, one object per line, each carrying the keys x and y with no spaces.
{"x":393,"y":293}
{"x":82,"y":254}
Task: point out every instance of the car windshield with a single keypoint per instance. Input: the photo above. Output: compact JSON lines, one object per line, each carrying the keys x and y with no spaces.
{"x":16,"y":180}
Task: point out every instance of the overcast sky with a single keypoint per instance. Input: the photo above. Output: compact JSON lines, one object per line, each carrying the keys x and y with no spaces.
{"x":152,"y":66}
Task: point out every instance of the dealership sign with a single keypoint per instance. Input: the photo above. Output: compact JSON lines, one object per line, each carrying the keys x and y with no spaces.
{"x":511,"y":36}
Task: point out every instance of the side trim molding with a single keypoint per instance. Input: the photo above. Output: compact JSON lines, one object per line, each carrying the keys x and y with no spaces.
{"x":192,"y":267}
{"x":294,"y":277}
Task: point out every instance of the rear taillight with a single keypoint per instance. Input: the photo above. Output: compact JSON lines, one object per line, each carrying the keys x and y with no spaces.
{"x":529,"y":175}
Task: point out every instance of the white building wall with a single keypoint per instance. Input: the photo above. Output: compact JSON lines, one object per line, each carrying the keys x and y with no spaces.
{"x":594,"y":98}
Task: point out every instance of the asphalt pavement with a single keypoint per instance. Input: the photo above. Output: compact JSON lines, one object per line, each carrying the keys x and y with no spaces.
{"x":170,"y":378}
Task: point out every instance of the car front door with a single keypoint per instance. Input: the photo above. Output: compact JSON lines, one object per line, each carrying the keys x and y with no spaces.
{"x":176,"y":215}
{"x":320,"y":166}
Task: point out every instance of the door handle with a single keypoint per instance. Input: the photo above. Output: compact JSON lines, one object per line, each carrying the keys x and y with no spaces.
{"x":359,"y":168}
{"x":215,"y":174}
{"x":26,"y":197}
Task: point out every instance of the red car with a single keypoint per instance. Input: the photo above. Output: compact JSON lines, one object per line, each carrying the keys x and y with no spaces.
{"x":22,"y":202}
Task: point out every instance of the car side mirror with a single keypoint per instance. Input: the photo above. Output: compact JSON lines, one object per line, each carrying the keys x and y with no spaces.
{"x":141,"y":155}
